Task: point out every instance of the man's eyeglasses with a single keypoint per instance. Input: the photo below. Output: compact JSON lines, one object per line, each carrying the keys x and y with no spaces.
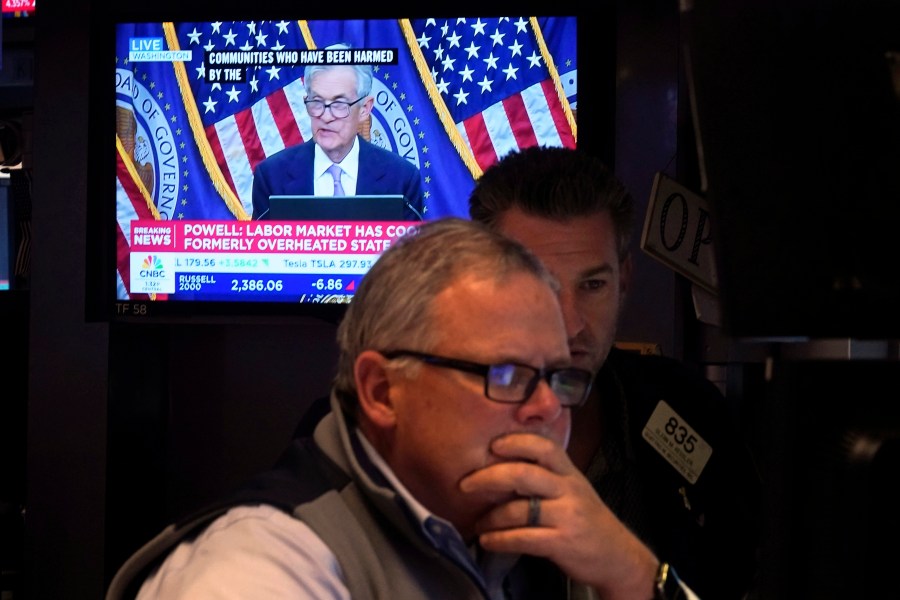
{"x":339,"y":108}
{"x":514,"y":382}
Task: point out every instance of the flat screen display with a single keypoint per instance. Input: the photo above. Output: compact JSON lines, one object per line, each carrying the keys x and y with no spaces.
{"x":199,"y":104}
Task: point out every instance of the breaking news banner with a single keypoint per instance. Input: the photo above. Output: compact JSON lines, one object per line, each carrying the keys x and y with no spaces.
{"x":280,"y":261}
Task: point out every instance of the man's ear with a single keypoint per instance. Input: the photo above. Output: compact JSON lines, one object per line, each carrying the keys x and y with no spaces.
{"x":373,"y":386}
{"x":366,"y":108}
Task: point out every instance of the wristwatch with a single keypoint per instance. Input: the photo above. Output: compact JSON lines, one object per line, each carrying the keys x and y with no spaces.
{"x":667,"y":585}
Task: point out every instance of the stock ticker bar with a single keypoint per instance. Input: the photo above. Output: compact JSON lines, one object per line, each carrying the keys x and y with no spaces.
{"x":252,"y":260}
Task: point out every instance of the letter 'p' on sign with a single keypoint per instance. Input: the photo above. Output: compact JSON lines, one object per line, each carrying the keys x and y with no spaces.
{"x":678,"y":232}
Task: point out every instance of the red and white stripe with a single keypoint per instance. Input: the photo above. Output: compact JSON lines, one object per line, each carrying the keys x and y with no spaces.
{"x":518,"y":121}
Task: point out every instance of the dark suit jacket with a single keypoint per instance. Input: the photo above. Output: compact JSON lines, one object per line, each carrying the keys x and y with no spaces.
{"x":709,"y":530}
{"x":290,"y":171}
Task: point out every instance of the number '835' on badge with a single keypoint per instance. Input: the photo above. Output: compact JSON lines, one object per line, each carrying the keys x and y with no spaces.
{"x":677,"y":442}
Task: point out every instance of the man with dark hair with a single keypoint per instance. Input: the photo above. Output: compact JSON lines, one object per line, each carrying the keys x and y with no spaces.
{"x":655,"y":438}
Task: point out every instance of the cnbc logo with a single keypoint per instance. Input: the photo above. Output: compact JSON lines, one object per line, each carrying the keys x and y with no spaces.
{"x":152,"y":267}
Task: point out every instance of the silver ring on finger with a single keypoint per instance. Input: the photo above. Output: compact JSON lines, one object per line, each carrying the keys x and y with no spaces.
{"x":534,"y":511}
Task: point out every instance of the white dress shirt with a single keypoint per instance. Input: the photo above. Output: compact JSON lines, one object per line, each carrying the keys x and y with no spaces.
{"x":324,"y":182}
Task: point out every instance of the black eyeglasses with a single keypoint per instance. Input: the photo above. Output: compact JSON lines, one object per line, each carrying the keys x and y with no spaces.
{"x":339,"y":108}
{"x":514,"y":382}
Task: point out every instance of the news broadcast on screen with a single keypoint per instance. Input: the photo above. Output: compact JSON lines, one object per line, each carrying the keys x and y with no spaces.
{"x":200,"y":104}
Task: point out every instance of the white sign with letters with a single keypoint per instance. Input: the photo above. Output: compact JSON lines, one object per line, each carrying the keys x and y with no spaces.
{"x":678,"y":232}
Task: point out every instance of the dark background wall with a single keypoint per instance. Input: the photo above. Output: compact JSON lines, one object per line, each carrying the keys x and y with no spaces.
{"x":68,"y":359}
{"x":131,"y":424}
{"x":111,"y":429}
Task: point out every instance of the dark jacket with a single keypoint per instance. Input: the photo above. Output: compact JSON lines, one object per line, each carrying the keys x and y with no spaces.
{"x":381,"y":171}
{"x":709,"y":530}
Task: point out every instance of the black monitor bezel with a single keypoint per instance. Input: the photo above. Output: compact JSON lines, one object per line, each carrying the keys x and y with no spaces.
{"x":596,"y":56}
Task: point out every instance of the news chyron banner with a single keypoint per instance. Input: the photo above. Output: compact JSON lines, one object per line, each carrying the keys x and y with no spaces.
{"x":305,"y":261}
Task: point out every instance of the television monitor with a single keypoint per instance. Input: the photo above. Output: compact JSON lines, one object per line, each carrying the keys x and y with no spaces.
{"x":202,"y":95}
{"x":18,"y":8}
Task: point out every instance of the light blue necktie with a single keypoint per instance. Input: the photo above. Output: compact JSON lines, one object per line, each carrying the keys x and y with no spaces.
{"x":336,"y":171}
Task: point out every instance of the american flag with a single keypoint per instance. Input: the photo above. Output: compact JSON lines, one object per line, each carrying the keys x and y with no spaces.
{"x":498,"y":82}
{"x":463,"y":93}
